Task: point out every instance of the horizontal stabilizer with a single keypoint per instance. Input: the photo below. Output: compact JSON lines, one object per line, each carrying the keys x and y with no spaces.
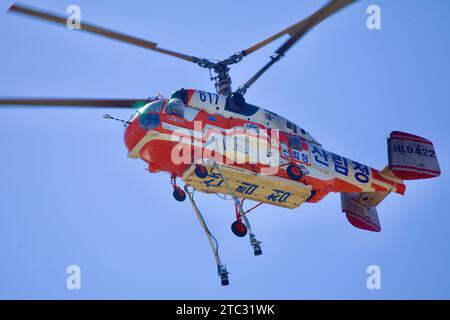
{"x":360,"y":209}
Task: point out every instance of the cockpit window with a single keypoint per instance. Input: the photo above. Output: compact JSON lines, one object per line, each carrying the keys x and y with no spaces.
{"x":295,"y":143}
{"x":154,"y":106}
{"x":175,"y":107}
{"x":148,"y":115}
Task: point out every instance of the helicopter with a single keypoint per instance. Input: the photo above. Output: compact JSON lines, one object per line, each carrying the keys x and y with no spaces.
{"x":218,"y":143}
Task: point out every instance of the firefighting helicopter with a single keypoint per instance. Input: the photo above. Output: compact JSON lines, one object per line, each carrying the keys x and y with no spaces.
{"x":208,"y":140}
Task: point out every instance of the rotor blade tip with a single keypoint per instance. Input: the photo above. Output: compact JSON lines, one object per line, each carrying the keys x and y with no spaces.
{"x":12,"y":7}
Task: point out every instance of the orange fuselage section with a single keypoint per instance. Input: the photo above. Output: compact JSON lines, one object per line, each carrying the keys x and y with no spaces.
{"x":171,"y":143}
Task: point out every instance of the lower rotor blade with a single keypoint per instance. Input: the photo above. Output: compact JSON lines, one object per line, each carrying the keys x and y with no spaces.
{"x":90,"y":28}
{"x":93,"y":103}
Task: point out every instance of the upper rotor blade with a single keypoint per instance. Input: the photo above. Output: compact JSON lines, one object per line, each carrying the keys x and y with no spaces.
{"x":96,"y":103}
{"x":17,"y":8}
{"x":297,"y":30}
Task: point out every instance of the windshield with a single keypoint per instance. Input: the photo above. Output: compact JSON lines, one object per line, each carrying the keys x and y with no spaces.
{"x":151,"y":107}
{"x":175,"y":107}
{"x":154,"y":106}
{"x":148,"y":115}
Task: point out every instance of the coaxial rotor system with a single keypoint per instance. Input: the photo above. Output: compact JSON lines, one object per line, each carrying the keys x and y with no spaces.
{"x":221,"y":68}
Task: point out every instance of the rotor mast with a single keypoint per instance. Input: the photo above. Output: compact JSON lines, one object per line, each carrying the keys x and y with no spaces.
{"x":222,"y":81}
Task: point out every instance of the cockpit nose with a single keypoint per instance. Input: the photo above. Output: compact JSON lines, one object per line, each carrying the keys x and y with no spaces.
{"x":149,"y":117}
{"x":146,"y":118}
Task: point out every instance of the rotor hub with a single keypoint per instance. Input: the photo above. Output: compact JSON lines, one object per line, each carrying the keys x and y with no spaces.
{"x":223,"y":79}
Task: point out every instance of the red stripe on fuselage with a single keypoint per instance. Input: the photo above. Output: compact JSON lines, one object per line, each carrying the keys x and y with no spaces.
{"x":400,"y":187}
{"x":379,"y":188}
{"x":376,"y":175}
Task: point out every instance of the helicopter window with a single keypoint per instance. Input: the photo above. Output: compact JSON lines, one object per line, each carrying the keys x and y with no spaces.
{"x":155,"y":106}
{"x":247,"y":110}
{"x":295,"y":142}
{"x":175,"y":107}
{"x":289,"y":125}
{"x":294,"y":127}
{"x":149,"y":117}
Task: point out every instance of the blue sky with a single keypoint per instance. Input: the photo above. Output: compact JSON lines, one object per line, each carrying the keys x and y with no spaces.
{"x":69,"y":194}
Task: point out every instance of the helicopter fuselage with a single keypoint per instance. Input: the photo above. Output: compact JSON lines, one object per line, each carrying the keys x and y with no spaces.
{"x":207,"y":130}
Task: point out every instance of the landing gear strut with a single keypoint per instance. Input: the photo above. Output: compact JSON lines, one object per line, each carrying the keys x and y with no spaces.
{"x":238,"y":205}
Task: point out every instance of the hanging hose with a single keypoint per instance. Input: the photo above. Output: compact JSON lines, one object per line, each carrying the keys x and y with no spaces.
{"x":221,"y":269}
{"x":212,"y":240}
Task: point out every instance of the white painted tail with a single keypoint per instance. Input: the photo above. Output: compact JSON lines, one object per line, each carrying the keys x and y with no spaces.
{"x":412,"y":157}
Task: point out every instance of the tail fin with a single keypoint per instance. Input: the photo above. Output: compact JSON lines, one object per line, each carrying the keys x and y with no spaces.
{"x":412,"y":157}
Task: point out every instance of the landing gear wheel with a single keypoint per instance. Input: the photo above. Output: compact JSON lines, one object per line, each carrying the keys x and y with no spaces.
{"x":201,"y":171}
{"x":179,"y":194}
{"x":239,"y":229}
{"x":294,"y":172}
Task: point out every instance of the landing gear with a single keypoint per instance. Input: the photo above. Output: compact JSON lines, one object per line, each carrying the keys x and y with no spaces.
{"x":178,"y":193}
{"x":240,"y":214}
{"x":201,"y":171}
{"x":239,"y":229}
{"x":294,"y":172}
